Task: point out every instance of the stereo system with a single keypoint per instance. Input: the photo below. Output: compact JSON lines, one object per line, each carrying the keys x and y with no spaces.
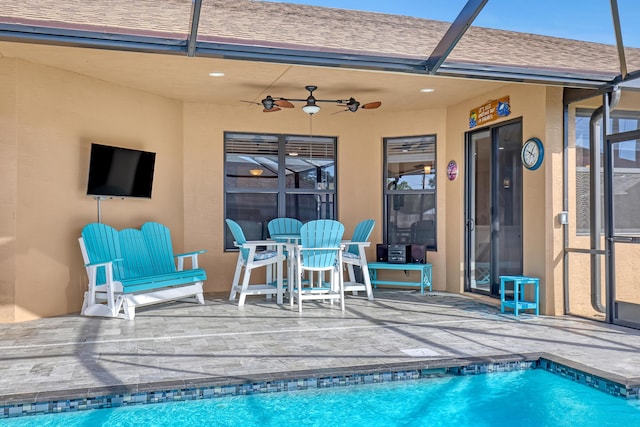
{"x":401,"y":254}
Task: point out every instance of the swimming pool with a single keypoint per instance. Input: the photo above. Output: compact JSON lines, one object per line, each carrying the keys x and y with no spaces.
{"x":532,"y":397}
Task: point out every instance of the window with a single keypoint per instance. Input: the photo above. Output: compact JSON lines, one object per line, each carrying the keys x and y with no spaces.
{"x":410,"y":190}
{"x":269,"y":176}
{"x":624,"y":160}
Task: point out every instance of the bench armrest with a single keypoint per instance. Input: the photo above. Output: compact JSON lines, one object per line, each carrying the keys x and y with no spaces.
{"x":201,"y":251}
{"x":194,"y":258}
{"x":103,"y":264}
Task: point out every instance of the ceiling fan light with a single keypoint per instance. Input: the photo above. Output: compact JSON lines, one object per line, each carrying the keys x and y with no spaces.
{"x":310,"y":109}
{"x":256,"y":172}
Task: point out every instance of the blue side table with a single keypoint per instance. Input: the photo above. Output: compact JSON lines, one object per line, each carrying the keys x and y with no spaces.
{"x":519,"y":302}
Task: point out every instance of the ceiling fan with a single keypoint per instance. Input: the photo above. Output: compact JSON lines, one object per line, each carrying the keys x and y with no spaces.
{"x":311,"y":106}
{"x":271,"y":104}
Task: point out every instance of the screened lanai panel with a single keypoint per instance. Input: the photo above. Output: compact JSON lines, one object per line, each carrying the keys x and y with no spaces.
{"x":149,"y":18}
{"x":585,"y":259}
{"x":625,"y":201}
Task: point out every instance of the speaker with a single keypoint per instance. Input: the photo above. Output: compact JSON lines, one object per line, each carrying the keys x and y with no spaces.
{"x":382,"y":254}
{"x":419,"y":254}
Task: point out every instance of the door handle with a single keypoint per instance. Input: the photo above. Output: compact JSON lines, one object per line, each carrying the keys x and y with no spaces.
{"x":471,"y":224}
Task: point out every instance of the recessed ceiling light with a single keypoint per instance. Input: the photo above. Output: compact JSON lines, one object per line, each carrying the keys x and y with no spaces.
{"x":427,"y":90}
{"x":216,"y":74}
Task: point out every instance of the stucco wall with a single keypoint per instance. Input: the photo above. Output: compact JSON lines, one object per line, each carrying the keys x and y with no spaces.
{"x":541,"y":111}
{"x":58,"y":115}
{"x":359,"y":171}
{"x":8,"y":187}
{"x":52,"y":116}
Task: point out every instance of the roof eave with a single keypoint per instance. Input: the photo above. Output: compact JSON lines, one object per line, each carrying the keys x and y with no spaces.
{"x":163,"y":43}
{"x":172,"y":44}
{"x":526,"y":74}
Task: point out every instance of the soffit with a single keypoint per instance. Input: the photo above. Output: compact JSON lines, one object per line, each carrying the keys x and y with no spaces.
{"x":186,"y":78}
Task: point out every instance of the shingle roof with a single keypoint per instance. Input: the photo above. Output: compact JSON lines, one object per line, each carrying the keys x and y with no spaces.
{"x":312,"y":28}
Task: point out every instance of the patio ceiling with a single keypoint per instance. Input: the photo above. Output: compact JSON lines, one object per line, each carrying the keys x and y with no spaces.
{"x":187,"y":78}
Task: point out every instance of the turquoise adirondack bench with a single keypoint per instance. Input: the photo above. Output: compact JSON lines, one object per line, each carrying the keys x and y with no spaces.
{"x":133,"y":268}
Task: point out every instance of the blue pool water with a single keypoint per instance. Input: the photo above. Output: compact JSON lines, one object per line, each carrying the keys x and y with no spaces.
{"x":521,"y":398}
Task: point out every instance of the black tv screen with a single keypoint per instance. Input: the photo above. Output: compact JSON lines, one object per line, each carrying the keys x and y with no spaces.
{"x":120,"y":172}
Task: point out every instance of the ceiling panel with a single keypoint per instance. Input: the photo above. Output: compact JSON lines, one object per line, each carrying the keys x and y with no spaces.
{"x":187,"y":78}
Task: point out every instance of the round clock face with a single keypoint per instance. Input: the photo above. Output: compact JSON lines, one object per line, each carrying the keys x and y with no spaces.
{"x":532,"y":154}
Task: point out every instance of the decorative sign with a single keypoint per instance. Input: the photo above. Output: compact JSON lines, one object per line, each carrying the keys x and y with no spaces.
{"x":489,"y":112}
{"x":452,"y":170}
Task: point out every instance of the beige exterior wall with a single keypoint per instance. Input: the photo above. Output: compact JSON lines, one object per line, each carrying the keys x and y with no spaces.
{"x":49,"y":118}
{"x":359,"y":172}
{"x":540,"y":108}
{"x":57,"y":115}
{"x":8,"y":188}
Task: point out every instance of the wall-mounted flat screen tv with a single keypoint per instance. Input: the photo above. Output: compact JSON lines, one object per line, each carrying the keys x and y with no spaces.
{"x":120,"y":172}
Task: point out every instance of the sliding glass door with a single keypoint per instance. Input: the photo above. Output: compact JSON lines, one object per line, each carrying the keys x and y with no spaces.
{"x":493,"y":210}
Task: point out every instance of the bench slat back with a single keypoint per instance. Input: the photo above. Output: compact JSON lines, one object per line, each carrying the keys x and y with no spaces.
{"x":102,"y":244}
{"x":137,"y":260}
{"x":158,"y":240}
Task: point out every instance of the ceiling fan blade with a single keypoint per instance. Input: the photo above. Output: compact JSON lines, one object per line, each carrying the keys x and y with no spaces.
{"x":283,"y":103}
{"x":271,"y":110}
{"x":341,"y":111}
{"x":250,"y":102}
{"x":371,"y":105}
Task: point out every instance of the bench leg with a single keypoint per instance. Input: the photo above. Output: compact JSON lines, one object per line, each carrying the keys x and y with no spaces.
{"x":129,"y":309}
{"x":373,"y":276}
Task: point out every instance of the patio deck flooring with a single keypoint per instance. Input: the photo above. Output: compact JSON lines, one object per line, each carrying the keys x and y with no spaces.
{"x":179,"y":344}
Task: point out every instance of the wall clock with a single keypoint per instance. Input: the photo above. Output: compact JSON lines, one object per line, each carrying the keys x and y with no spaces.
{"x":532,"y":153}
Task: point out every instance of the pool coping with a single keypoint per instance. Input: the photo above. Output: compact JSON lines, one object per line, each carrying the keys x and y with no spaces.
{"x":15,"y":405}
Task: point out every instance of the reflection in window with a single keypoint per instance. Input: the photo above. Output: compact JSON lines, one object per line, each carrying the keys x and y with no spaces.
{"x":626,"y":162}
{"x":270,"y":176}
{"x":410,"y":190}
{"x":310,"y":162}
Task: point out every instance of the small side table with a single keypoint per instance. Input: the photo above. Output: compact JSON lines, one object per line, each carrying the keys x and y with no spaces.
{"x":519,"y":302}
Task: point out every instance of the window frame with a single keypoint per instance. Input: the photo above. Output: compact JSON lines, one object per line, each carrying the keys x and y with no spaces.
{"x":281,"y":190}
{"x":386,"y":192}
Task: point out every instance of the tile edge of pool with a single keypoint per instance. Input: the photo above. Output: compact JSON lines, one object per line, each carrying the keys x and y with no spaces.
{"x":205,"y":388}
